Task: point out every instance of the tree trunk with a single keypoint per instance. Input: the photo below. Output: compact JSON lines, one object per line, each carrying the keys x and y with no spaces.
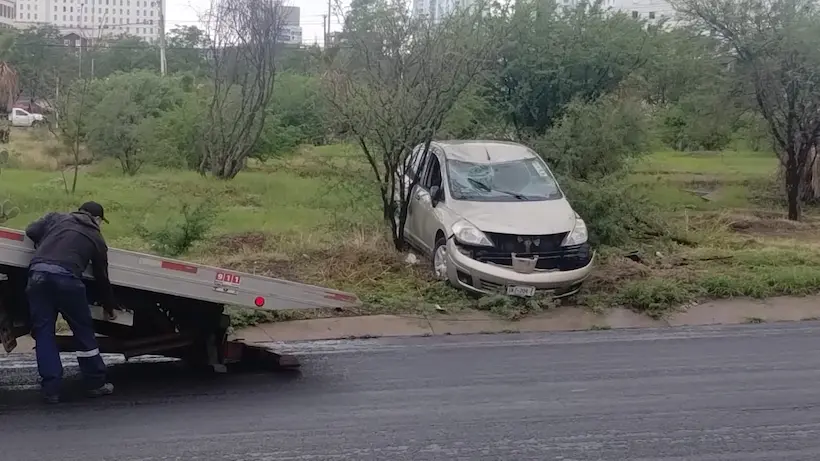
{"x":811,"y":178}
{"x":793,"y":180}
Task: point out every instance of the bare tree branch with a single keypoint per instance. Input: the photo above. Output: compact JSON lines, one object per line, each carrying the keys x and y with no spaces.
{"x":395,"y":80}
{"x":244,"y":38}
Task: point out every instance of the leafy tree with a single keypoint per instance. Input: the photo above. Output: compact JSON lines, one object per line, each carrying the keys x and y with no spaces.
{"x":187,"y":47}
{"x":553,"y":55}
{"x":774,"y":44}
{"x":42,"y":62}
{"x":174,"y":138}
{"x":122,"y":103}
{"x":593,"y":140}
{"x":126,"y":53}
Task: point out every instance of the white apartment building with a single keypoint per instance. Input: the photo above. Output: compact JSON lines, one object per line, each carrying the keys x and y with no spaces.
{"x":652,"y":10}
{"x":7,"y":14}
{"x":94,"y":18}
{"x":437,"y":9}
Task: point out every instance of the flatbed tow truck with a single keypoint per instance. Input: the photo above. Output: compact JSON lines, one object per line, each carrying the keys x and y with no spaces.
{"x":171,"y":308}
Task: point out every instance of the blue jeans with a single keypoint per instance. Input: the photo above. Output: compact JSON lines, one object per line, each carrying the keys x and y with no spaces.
{"x":49,"y":292}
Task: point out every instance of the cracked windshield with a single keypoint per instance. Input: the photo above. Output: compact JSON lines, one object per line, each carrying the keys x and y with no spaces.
{"x":498,"y":182}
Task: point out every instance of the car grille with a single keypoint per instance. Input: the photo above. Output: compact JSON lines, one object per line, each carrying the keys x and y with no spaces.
{"x":551,"y":255}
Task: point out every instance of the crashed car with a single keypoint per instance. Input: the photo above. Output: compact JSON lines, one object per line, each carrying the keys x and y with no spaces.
{"x":493,"y":219}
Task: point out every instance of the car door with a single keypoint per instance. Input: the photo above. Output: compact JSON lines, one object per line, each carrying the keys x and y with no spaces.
{"x":426,"y":220}
{"x":20,"y":118}
{"x":416,"y":165}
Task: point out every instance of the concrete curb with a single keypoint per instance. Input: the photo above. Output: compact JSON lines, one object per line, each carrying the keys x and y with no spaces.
{"x":720,"y":312}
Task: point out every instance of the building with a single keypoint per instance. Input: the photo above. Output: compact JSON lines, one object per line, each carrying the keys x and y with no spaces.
{"x":651,"y":10}
{"x":437,"y":9}
{"x":7,"y":14}
{"x":93,"y":18}
{"x":291,"y":32}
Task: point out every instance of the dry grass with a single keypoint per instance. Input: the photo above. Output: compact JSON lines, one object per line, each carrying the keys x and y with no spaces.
{"x":38,"y":149}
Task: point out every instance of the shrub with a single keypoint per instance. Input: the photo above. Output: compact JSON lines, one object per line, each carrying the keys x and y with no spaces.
{"x":181,"y":234}
{"x":595,"y":139}
{"x":698,"y":122}
{"x":614,"y":212}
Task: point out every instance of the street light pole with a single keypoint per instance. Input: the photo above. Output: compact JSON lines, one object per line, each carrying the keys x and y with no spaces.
{"x":162,"y":64}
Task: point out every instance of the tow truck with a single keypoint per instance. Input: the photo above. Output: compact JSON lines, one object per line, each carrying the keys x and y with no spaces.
{"x":170,"y":308}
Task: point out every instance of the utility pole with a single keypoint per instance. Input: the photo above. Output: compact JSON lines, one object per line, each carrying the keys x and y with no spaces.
{"x":329,"y":15}
{"x":82,"y":39}
{"x":162,"y":64}
{"x":57,"y":105}
{"x":324,"y":26}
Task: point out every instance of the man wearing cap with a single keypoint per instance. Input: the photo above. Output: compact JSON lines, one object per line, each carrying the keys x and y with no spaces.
{"x":65,"y":243}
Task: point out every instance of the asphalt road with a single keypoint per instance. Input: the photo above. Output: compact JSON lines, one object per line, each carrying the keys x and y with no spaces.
{"x":738,"y":393}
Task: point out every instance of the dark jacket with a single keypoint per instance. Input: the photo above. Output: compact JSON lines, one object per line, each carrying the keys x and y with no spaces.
{"x":72,"y":241}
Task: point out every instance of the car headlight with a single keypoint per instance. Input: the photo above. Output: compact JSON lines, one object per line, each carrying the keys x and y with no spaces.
{"x":465,"y":232}
{"x":578,"y":235}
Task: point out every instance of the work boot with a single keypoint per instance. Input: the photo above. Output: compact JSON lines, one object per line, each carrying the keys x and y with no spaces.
{"x":105,"y":389}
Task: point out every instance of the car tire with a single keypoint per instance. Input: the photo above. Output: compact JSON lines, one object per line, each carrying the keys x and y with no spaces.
{"x":440,"y":259}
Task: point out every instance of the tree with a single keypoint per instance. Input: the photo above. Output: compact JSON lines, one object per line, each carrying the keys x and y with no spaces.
{"x":774,"y":43}
{"x":121,"y":104}
{"x":553,"y":55}
{"x":41,"y":60}
{"x":8,"y":94}
{"x":126,"y":53}
{"x":244,"y":43}
{"x":187,"y":50}
{"x":71,"y":127}
{"x":395,"y":81}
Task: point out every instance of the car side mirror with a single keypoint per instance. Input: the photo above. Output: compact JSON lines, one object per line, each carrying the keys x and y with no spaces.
{"x":436,"y":195}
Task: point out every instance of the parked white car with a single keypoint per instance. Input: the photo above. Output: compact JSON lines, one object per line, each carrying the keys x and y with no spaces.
{"x":20,"y":117}
{"x":492,"y":218}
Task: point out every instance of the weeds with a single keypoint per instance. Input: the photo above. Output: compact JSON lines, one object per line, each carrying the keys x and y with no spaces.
{"x":181,"y":233}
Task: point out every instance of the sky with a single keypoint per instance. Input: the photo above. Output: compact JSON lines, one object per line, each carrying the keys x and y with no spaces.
{"x":186,"y":12}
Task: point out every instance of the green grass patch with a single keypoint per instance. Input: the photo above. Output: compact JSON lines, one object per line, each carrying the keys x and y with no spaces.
{"x":314,"y":217}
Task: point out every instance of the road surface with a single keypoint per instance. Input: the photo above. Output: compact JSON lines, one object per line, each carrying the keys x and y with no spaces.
{"x":737,"y":393}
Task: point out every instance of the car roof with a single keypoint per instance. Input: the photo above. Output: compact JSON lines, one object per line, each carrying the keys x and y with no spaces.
{"x":485,"y":151}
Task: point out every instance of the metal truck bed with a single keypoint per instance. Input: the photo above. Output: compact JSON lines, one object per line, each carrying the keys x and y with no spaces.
{"x":192,"y":281}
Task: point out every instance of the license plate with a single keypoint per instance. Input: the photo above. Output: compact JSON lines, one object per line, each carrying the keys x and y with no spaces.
{"x":522,"y":292}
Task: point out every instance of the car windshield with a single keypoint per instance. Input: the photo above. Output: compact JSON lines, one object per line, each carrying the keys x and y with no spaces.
{"x":525,"y":179}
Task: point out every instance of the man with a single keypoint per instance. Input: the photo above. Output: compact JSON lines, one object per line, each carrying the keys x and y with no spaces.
{"x":65,"y":243}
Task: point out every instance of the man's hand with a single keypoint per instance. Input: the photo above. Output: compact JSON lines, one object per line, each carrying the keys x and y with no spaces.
{"x":110,"y":313}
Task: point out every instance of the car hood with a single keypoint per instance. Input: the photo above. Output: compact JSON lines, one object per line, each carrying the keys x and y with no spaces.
{"x":520,"y":217}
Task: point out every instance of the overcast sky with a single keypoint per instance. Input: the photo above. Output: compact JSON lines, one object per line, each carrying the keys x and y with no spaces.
{"x":186,"y":12}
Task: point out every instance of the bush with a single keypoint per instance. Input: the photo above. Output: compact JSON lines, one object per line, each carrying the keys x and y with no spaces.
{"x":174,"y":138}
{"x":472,"y":117}
{"x":595,"y":139}
{"x":179,"y":235}
{"x":296,"y":115}
{"x":8,"y":211}
{"x":614,"y":212}
{"x":121,"y":104}
{"x":698,"y":122}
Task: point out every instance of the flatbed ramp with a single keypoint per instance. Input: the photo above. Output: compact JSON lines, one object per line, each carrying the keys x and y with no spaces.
{"x":173,"y":307}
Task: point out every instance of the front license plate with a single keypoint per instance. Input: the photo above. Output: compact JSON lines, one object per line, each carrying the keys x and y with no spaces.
{"x":522,"y":292}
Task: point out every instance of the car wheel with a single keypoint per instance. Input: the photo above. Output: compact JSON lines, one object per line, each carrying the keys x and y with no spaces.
{"x":440,"y":259}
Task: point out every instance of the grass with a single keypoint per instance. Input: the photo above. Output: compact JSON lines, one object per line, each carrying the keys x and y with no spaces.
{"x":727,"y":203}
{"x":315,"y":217}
